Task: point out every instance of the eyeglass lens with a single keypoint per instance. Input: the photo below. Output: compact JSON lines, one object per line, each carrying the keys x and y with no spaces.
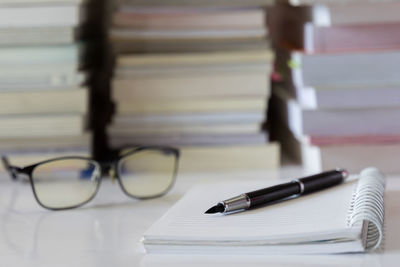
{"x":65,"y":183}
{"x":147,"y":173}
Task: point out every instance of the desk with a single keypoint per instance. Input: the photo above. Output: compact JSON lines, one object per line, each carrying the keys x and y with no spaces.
{"x":107,"y":231}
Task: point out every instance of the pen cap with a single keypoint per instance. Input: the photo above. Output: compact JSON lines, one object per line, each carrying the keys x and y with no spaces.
{"x":323,"y":180}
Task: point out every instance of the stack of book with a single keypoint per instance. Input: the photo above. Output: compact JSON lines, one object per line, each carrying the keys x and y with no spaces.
{"x":193,"y":77}
{"x":337,"y":95}
{"x":43,"y":102}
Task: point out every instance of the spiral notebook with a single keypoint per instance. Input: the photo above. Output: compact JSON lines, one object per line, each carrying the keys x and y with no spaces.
{"x":341,"y":219}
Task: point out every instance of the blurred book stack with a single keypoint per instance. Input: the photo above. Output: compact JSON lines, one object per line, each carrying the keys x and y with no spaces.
{"x":336,"y":96}
{"x":43,"y":99}
{"x":196,"y":77}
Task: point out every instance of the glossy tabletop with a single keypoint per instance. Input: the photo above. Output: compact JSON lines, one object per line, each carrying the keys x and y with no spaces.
{"x":108,"y":230}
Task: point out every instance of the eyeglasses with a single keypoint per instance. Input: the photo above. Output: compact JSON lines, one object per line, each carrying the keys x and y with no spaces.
{"x":69,"y":182}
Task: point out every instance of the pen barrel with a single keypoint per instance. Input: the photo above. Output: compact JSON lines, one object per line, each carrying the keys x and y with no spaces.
{"x":323,"y":180}
{"x":274,"y":193}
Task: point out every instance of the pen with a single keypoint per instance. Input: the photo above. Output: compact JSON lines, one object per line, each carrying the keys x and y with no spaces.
{"x":296,"y":187}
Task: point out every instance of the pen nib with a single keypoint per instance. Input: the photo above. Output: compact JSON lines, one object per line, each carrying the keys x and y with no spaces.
{"x":217,"y":208}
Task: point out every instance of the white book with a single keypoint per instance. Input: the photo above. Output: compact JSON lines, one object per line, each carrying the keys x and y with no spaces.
{"x":348,"y":122}
{"x":19,"y":145}
{"x":344,"y":218}
{"x":336,"y":122}
{"x":194,"y":63}
{"x":39,"y":15}
{"x":120,"y":140}
{"x":41,"y":125}
{"x":195,"y":58}
{"x":37,"y":36}
{"x":161,"y":17}
{"x":220,"y":128}
{"x":352,"y":12}
{"x":44,"y":101}
{"x":349,"y":97}
{"x":126,"y":4}
{"x":186,"y":34}
{"x":120,"y":46}
{"x":374,"y":68}
{"x":228,"y":104}
{"x":190,"y":70}
{"x":34,"y":55}
{"x":210,"y":85}
{"x":186,"y":119}
{"x":353,"y":97}
{"x":46,"y":81}
{"x":38,"y":69}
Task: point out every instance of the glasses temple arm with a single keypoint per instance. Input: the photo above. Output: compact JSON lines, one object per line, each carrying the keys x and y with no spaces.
{"x":12,"y":170}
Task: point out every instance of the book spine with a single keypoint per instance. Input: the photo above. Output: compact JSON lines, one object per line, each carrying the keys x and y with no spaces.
{"x":367,"y":207}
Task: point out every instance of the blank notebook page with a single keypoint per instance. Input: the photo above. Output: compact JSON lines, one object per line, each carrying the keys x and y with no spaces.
{"x":316,"y":216}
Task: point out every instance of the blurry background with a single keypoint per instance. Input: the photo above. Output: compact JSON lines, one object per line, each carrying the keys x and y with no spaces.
{"x":236,"y":85}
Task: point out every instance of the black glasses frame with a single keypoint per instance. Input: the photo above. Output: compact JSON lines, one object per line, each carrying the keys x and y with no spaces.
{"x":110,"y":167}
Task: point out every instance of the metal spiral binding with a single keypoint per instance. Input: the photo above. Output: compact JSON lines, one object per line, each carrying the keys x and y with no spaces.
{"x":367,"y":206}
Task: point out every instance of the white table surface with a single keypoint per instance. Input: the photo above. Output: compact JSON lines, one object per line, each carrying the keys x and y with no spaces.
{"x":108,"y":230}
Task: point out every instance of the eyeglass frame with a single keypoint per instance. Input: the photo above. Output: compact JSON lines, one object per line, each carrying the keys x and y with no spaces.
{"x":109,"y":166}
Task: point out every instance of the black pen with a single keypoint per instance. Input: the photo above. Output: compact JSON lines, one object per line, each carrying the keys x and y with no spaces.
{"x":296,"y":187}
